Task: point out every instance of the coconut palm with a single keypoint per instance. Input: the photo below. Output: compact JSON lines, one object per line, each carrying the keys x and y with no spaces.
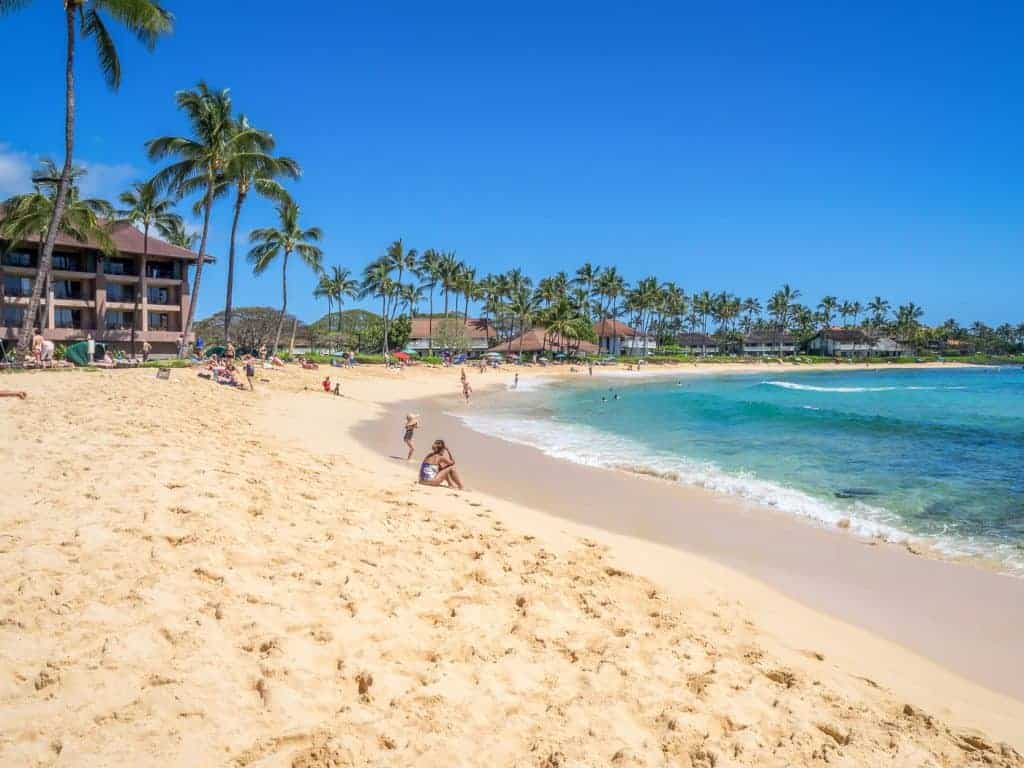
{"x":449,"y":272}
{"x":29,"y":215}
{"x":287,"y":238}
{"x":145,"y":208}
{"x":377,"y":282}
{"x":201,"y":161}
{"x":781,"y":306}
{"x":879,"y":308}
{"x":180,"y":236}
{"x":324,"y":289}
{"x":827,"y":309}
{"x":524,"y":306}
{"x":428,"y":271}
{"x":251,"y":168}
{"x":147,"y":20}
{"x":609,"y":287}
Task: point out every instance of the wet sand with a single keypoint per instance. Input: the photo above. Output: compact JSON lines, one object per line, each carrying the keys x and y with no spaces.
{"x":966,"y":618}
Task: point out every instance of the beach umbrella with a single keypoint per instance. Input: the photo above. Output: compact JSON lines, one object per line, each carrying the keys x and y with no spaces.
{"x":403,"y":356}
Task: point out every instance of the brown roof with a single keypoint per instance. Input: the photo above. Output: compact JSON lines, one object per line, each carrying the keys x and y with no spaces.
{"x":695,"y":340}
{"x":768,"y":337}
{"x":538,"y":340}
{"x":475,"y":328}
{"x":846,"y":335}
{"x":610,"y":327}
{"x":129,"y":240}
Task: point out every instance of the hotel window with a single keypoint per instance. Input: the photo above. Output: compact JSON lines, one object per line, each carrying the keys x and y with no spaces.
{"x":17,"y":286}
{"x":13,"y":317}
{"x":119,"y":267}
{"x":68,"y":289}
{"x":159,"y":295}
{"x":119,"y":320}
{"x":159,"y":321}
{"x":20,"y":259}
{"x":118,"y":292}
{"x":67,"y":318}
{"x":69,"y":262}
{"x":163,"y":270}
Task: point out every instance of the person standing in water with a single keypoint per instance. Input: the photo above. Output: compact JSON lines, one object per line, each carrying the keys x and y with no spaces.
{"x":515,"y":384}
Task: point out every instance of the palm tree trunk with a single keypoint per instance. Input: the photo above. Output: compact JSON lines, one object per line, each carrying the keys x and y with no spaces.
{"x":46,"y":259}
{"x":239,"y":199}
{"x":295,"y":327}
{"x":284,"y":301}
{"x":207,"y":209}
{"x":384,"y":316}
{"x":430,"y":325}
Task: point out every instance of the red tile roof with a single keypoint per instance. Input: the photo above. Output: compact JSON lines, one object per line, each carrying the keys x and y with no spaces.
{"x":475,"y":328}
{"x":537,"y":340}
{"x":610,"y":327}
{"x":129,"y":241}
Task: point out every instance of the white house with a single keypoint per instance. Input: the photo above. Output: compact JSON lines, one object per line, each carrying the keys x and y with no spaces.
{"x":697,"y":344}
{"x":615,"y":338}
{"x":473,"y":334}
{"x":768,"y":343}
{"x":840,"y":342}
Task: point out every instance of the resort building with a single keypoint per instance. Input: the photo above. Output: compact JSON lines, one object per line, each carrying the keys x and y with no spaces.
{"x":538,"y":340}
{"x":615,"y":338}
{"x":101,"y":296}
{"x":887,"y":346}
{"x":697,"y":344}
{"x":470,"y":334}
{"x":768,"y":343}
{"x":840,"y":342}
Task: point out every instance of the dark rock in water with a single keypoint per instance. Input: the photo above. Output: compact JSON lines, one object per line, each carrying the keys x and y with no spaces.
{"x":854,"y":493}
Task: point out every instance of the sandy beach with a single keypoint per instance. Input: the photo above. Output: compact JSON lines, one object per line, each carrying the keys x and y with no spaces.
{"x":199,"y":576}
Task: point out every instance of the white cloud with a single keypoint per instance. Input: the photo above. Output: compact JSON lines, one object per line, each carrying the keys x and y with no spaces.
{"x":15,"y":172}
{"x":107,"y":180}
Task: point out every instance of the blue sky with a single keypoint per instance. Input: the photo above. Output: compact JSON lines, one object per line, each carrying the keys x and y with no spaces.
{"x":845,"y":148}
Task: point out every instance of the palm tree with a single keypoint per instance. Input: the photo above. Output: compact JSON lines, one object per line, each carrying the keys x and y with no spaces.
{"x":524,"y":305}
{"x":324,"y":289}
{"x":609,"y":287}
{"x":586,"y":277}
{"x":449,"y":271}
{"x":178,"y":235}
{"x":344,"y":286}
{"x":780,"y":305}
{"x":30,"y":215}
{"x":377,"y":281}
{"x":251,"y":168}
{"x":826,"y":309}
{"x":879,"y":308}
{"x":428,"y":270}
{"x":288,"y":238}
{"x":145,"y":208}
{"x":202,"y":161}
{"x":147,"y":20}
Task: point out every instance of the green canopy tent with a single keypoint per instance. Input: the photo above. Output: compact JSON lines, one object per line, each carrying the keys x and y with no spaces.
{"x":78,"y":353}
{"x":218,"y":351}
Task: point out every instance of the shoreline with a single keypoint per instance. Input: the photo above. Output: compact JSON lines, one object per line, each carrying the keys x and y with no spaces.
{"x":965,"y":618}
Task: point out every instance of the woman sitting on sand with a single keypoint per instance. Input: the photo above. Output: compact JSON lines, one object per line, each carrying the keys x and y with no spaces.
{"x":439,"y":467}
{"x":412,"y":423}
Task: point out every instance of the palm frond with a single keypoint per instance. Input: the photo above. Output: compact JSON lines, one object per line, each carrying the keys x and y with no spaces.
{"x":106,"y":51}
{"x":146,"y":19}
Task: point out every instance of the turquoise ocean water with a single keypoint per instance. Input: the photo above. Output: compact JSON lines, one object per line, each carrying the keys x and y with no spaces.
{"x":936,"y":455}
